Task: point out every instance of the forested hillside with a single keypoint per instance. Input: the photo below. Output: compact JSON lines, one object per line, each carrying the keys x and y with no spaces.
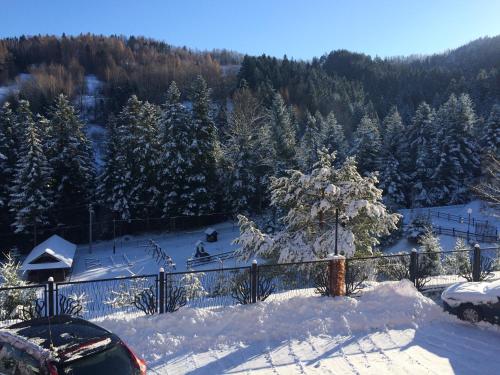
{"x":192,"y":133}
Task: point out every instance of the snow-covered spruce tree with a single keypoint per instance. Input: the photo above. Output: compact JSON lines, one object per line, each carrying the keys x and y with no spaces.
{"x":248,"y":153}
{"x":192,"y":285}
{"x":177,"y":160}
{"x":283,"y":134}
{"x":307,"y":152}
{"x":418,"y":161}
{"x":70,"y":156}
{"x":8,"y":156}
{"x":136,"y":128}
{"x":310,"y":202}
{"x":458,"y":262}
{"x":366,"y":145}
{"x":12,"y":300}
{"x":31,"y":195}
{"x":456,"y":151}
{"x":333,"y":138}
{"x":393,"y":180}
{"x":490,"y":140}
{"x":205,"y":148}
{"x":112,"y":188}
{"x":429,"y":263}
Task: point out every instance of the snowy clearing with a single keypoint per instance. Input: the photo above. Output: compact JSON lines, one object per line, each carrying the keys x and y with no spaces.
{"x":131,"y":257}
{"x":390,"y":329}
{"x":479,"y":211}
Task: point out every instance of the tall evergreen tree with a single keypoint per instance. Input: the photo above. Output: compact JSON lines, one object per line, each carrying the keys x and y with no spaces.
{"x":248,"y":152}
{"x":30,"y":198}
{"x":310,"y":143}
{"x":137,"y":129}
{"x":333,"y":138}
{"x":283,"y":133}
{"x":392,"y":178}
{"x":205,"y":147}
{"x":367,"y":145}
{"x":490,"y":140}
{"x":458,"y":162}
{"x":70,"y":156}
{"x":177,"y":158}
{"x":419,"y":162}
{"x":113,"y":189}
{"x":8,"y":155}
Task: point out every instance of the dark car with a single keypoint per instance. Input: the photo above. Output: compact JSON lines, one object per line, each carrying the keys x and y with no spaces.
{"x":473,"y":301}
{"x":65,"y":345}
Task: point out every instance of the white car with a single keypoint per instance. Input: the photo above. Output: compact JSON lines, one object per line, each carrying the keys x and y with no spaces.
{"x":473,"y":301}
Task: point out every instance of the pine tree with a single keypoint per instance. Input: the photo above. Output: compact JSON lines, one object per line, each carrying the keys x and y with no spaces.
{"x":205,"y":148}
{"x":283,"y":133}
{"x":177,"y":160}
{"x":8,"y":155}
{"x":458,"y":162}
{"x":393,"y":180}
{"x":310,"y":202}
{"x":30,"y":198}
{"x":333,"y":138}
{"x":307,"y":153}
{"x":112,"y":189}
{"x":367,"y":145}
{"x":490,"y":140}
{"x":139,"y":149}
{"x":419,"y":162}
{"x":248,"y":153}
{"x":71,"y":159}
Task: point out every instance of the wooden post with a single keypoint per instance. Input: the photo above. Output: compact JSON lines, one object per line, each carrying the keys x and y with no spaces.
{"x":336,"y":275}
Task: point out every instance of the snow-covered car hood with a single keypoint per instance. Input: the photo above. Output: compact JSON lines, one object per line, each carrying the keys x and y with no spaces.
{"x":472,"y":292}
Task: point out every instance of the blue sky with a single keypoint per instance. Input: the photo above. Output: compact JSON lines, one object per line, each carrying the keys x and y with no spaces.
{"x":300,"y":29}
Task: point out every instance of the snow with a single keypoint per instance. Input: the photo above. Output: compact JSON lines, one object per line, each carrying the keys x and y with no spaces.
{"x":131,"y":257}
{"x":314,"y":335}
{"x":56,"y":247}
{"x":480,"y":211}
{"x":97,"y":134}
{"x":475,"y":293}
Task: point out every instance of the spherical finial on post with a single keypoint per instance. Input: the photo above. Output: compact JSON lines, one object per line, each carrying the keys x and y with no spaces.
{"x":162,"y":269}
{"x":50,"y":279}
{"x":254,"y":261}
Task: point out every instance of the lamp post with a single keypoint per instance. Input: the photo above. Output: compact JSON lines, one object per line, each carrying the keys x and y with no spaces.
{"x":469,"y":211}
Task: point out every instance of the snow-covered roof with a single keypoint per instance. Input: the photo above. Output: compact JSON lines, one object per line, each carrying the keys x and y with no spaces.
{"x":58,"y":252}
{"x":210,"y":231}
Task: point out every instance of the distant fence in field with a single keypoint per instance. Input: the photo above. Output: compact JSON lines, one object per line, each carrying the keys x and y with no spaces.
{"x":166,"y":292}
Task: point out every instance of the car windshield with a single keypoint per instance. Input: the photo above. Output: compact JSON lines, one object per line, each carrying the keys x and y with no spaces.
{"x":114,"y":360}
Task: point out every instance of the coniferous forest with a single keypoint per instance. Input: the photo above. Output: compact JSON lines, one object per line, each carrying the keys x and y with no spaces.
{"x":191,"y":133}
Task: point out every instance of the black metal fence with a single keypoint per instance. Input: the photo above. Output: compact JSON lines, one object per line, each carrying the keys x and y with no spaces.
{"x":427,"y":270}
{"x":166,"y":292}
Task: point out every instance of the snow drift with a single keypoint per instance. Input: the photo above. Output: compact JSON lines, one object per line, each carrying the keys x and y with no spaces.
{"x":386,"y":305}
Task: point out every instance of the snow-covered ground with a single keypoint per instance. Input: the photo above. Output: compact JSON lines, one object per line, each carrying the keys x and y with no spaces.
{"x":479,"y":211}
{"x":391,"y":328}
{"x":131,"y":257}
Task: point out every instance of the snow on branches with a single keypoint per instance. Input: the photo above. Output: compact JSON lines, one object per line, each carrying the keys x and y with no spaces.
{"x":310,"y":202}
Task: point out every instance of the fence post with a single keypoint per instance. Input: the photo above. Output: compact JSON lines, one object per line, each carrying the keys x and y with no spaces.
{"x":413,"y":266}
{"x":253,"y":281}
{"x":161,"y":299}
{"x":336,"y":275}
{"x":50,"y":297}
{"x":476,"y":264}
